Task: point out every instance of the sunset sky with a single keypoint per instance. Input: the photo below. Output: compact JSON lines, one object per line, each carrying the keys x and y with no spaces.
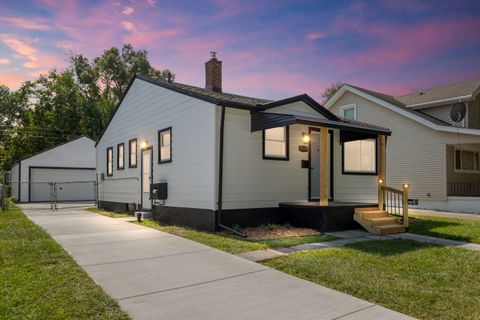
{"x":270,"y":49}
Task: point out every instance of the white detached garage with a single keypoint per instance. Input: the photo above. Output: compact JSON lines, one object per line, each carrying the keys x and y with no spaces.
{"x":71,"y":166}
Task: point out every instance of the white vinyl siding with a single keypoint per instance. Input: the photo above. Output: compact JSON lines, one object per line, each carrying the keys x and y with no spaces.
{"x":359,"y":156}
{"x":250,"y":181}
{"x":416,"y":154}
{"x":144,"y":111}
{"x":298,"y":108}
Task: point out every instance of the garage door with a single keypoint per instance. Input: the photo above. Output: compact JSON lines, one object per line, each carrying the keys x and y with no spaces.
{"x":72,"y":184}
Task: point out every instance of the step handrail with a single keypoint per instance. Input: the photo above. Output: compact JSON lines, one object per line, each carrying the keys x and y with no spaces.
{"x":394,"y":201}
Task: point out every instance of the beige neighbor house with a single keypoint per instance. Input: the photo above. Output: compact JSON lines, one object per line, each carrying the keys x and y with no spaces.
{"x":438,"y":159}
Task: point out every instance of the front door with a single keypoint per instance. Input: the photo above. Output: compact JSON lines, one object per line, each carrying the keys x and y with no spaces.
{"x":314,"y":172}
{"x":146,"y":178}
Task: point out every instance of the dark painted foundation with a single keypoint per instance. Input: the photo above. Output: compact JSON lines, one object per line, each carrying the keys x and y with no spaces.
{"x":119,"y":207}
{"x":191,"y":217}
{"x":337,"y":216}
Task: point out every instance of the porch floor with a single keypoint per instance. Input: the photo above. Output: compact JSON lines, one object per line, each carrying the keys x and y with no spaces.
{"x":333,"y":204}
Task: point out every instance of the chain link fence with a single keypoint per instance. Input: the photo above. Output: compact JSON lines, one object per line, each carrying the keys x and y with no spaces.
{"x":48,"y":194}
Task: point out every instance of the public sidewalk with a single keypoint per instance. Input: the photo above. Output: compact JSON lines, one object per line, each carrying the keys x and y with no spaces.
{"x":156,"y":275}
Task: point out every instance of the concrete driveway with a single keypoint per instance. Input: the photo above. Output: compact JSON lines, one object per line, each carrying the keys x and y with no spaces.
{"x":155,"y":275}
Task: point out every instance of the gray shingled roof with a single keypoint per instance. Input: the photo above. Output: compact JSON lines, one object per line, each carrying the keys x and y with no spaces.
{"x":440,"y":93}
{"x":394,"y":102}
{"x":223,"y":96}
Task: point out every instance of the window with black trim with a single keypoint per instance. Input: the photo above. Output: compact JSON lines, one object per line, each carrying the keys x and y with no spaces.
{"x":360,"y":157}
{"x":275,"y":143}
{"x":110,"y":161}
{"x":121,"y":156}
{"x":132,"y":153}
{"x":165,"y":145}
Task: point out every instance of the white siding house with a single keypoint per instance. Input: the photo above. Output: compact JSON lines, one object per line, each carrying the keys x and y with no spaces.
{"x":71,"y":165}
{"x":421,"y":149}
{"x":216,"y":154}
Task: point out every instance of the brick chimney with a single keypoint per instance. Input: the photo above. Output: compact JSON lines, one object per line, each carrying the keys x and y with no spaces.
{"x":213,"y":73}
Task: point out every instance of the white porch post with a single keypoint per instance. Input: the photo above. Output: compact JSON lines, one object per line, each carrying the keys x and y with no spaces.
{"x":323,"y":166}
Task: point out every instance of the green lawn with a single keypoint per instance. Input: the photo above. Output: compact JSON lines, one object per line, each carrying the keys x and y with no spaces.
{"x":110,"y":214}
{"x":230,"y":243}
{"x":39,"y":280}
{"x":421,"y":280}
{"x":455,"y":229}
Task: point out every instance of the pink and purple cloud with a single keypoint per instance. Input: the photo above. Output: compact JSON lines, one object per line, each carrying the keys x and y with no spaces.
{"x":270,"y":49}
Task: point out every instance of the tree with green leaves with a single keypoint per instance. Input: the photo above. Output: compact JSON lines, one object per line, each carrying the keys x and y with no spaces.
{"x":330,"y":91}
{"x":61,"y":105}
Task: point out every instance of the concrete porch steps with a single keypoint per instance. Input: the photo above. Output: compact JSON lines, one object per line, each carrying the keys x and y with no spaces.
{"x":378,"y":221}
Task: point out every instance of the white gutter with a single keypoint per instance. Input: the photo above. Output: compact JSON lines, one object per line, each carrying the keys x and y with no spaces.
{"x":440,"y":102}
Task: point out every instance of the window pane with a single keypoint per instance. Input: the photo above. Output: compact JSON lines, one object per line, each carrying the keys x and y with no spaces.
{"x":165,"y":153}
{"x":458,"y":162}
{"x":109,"y":162}
{"x":120,"y":155}
{"x":367,"y":155}
{"x":277,"y":134}
{"x":359,"y":156}
{"x":468,"y":160}
{"x":275,"y":149}
{"x":166,"y":138}
{"x":133,"y":153}
{"x":352,"y":156}
{"x":349,"y":113}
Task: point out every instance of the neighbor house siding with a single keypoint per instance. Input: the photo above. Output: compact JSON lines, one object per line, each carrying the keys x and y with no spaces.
{"x":440,"y":112}
{"x":416,"y":154}
{"x":78,"y":153}
{"x":145,"y":110}
{"x":474,"y":113}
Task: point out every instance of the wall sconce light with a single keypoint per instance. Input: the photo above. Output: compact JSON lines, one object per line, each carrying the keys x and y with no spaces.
{"x":144,"y":144}
{"x":380,"y":181}
{"x":406,"y":186}
{"x":305,"y":137}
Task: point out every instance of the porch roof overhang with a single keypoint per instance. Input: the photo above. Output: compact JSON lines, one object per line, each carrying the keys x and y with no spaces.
{"x":351,"y":130}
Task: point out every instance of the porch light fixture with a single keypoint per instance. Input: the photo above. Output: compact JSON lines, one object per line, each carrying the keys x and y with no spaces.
{"x":380,"y":181}
{"x":406,"y":186}
{"x":144,"y":144}
{"x":306,"y":137}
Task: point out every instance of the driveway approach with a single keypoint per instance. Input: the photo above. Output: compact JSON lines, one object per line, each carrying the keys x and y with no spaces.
{"x":156,"y":275}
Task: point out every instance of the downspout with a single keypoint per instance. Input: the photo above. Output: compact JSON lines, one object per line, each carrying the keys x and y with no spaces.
{"x":220,"y":178}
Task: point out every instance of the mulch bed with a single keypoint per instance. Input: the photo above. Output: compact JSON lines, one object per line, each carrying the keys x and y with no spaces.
{"x":277,"y":231}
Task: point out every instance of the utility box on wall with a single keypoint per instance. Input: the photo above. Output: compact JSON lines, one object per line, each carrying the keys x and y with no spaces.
{"x":159,"y":191}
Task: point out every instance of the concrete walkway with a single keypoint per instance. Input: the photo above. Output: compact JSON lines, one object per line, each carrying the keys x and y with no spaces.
{"x":155,"y":275}
{"x":355,"y":236}
{"x":445,"y":214}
